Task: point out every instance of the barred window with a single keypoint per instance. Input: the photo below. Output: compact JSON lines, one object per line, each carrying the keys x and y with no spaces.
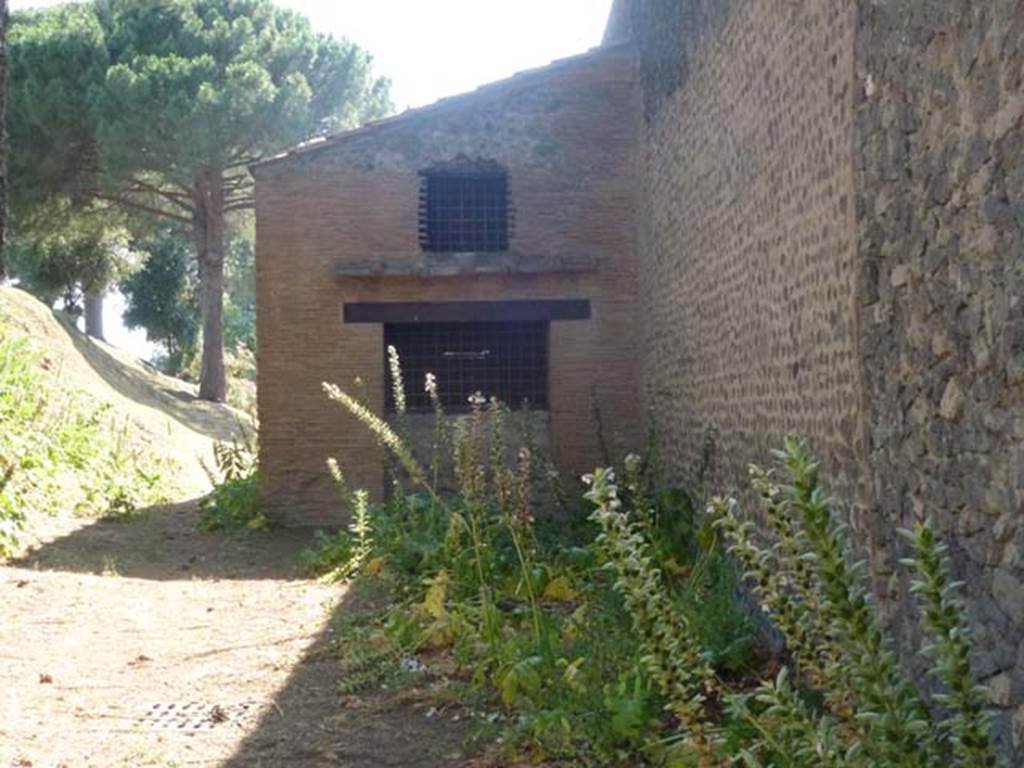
{"x":506,"y":360}
{"x":464,"y":207}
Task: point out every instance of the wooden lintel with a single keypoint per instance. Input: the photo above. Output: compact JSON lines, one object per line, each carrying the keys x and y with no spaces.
{"x":465,"y":311}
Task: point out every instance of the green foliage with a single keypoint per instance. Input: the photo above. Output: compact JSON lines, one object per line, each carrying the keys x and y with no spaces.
{"x":234,"y":504}
{"x":104,"y":92}
{"x":238,"y":77}
{"x":57,"y":60}
{"x":161,"y":297}
{"x":343,"y":555}
{"x":673,"y":652}
{"x":327,"y":554}
{"x":123,"y":478}
{"x":944,"y":618}
{"x":241,"y":372}
{"x":849,"y":703}
{"x":580,"y":643}
{"x":59,"y":451}
{"x":63,"y":252}
{"x":62,"y":246}
{"x":22,"y":401}
{"x":240,"y":294}
{"x":527,"y":612}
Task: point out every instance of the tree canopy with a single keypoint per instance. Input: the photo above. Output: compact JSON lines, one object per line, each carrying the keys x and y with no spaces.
{"x":57,"y":61}
{"x":158,"y":106}
{"x":161,"y":297}
{"x":195,"y":86}
{"x":70,"y":253}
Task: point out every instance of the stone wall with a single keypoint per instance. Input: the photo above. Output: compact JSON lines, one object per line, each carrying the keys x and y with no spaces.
{"x":940,"y":203}
{"x":747,"y":246}
{"x":568,"y":136}
{"x":831,"y":244}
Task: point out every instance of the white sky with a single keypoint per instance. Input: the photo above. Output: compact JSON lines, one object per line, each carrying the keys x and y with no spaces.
{"x":431,"y":49}
{"x":435,"y":48}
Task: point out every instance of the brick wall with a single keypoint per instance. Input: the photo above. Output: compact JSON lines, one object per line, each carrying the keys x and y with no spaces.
{"x":747,"y":246}
{"x":567,"y":135}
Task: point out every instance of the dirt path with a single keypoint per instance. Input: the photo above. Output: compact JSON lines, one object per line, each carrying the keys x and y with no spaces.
{"x":109,"y":630}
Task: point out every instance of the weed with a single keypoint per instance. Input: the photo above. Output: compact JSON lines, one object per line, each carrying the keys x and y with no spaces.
{"x":525,"y":610}
{"x":235,"y":503}
{"x":585,"y":631}
{"x":868,"y":711}
{"x":342,"y":555}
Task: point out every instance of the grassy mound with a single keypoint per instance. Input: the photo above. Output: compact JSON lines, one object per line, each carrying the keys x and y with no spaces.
{"x":90,"y":429}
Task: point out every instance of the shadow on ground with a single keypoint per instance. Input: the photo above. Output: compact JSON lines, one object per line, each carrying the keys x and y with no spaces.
{"x":310,"y":723}
{"x":163,"y":543}
{"x":207,"y":618}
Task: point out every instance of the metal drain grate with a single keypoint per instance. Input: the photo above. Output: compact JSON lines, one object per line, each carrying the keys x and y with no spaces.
{"x":193,"y":717}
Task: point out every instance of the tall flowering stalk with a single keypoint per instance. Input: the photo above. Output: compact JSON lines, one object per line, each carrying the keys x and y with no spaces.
{"x":893,"y":718}
{"x":672,"y":653}
{"x":442,"y":435}
{"x":468,"y":470}
{"x":398,"y":396}
{"x":397,"y":384}
{"x":944,"y":617}
{"x":783,"y":578}
{"x":819,"y":601}
{"x":385,"y":435}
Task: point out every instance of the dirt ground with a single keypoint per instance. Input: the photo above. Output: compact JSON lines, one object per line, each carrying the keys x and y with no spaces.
{"x":150,"y":644}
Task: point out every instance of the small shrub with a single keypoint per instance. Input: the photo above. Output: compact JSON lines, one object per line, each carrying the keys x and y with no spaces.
{"x":235,"y":503}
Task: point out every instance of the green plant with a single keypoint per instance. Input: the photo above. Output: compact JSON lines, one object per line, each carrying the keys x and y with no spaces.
{"x":944,"y":616}
{"x":327,"y":553}
{"x":342,"y":555}
{"x":234,"y":503}
{"x":673,"y":653}
{"x":581,"y":643}
{"x":868,"y":712}
{"x":22,"y":401}
{"x":123,"y":480}
{"x":59,"y":450}
{"x":523,"y":605}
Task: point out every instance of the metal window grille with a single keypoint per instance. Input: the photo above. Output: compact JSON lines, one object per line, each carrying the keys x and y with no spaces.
{"x":464,"y":211}
{"x":507,"y":360}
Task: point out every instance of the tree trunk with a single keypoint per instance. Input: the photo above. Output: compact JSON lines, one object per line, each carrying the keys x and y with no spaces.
{"x":94,"y":314}
{"x":208,"y":226}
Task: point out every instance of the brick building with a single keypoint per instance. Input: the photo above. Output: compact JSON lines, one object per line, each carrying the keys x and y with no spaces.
{"x":490,"y":237}
{"x":767,"y":217}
